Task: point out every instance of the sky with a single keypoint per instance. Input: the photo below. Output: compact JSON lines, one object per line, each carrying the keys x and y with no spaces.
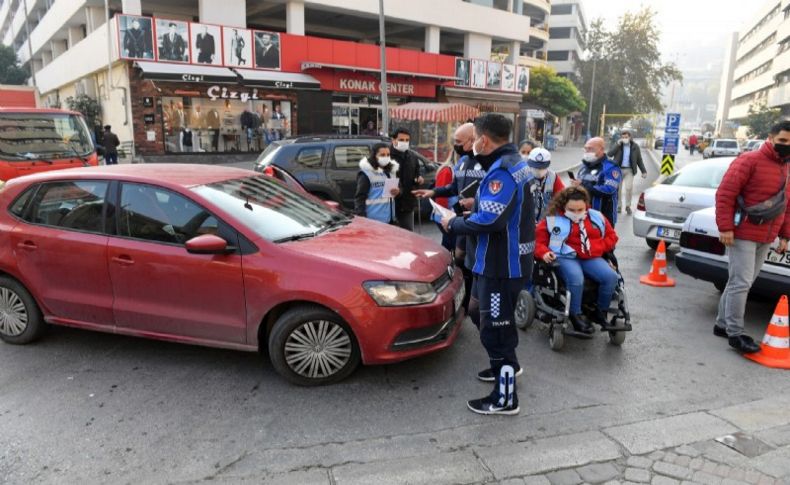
{"x":684,"y":24}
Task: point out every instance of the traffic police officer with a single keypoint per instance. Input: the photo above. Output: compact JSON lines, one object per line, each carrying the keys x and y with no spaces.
{"x":503,"y":222}
{"x":601,"y":177}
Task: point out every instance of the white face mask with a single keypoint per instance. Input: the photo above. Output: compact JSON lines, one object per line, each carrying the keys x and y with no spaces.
{"x":384,"y":161}
{"x":576,"y":216}
{"x":624,"y":141}
{"x":539,"y":172}
{"x":401,"y":146}
{"x":589,"y":157}
{"x":475,"y":152}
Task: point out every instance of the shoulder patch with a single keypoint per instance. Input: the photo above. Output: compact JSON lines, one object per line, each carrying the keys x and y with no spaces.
{"x":495,"y":186}
{"x":616,"y":174}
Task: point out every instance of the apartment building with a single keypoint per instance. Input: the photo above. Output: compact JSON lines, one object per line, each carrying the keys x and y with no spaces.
{"x":326,"y":65}
{"x":567,"y":33}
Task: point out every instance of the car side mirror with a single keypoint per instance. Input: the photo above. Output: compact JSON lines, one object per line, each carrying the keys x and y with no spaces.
{"x":207,"y":244}
{"x":332,"y":204}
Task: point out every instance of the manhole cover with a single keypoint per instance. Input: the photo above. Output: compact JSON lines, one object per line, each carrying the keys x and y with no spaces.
{"x":744,"y":444}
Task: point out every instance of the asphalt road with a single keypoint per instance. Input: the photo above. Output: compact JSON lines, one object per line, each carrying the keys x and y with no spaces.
{"x":92,"y":408}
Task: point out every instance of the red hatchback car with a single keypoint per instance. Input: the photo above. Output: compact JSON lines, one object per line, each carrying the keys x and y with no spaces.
{"x":221,"y":257}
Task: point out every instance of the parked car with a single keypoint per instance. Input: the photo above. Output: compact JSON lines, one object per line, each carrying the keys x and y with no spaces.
{"x":222,"y":257}
{"x":663,"y":208}
{"x":704,"y":257}
{"x":658,"y":144}
{"x":752,"y":145}
{"x":327,"y":166}
{"x":722,"y":147}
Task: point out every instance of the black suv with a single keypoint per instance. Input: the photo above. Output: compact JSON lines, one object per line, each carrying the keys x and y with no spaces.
{"x":327,"y":166}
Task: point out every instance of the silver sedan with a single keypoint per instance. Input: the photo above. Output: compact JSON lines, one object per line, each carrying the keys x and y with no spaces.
{"x":663,"y":208}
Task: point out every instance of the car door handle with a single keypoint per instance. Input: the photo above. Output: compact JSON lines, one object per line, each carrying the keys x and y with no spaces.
{"x":123,"y":260}
{"x":27,"y":245}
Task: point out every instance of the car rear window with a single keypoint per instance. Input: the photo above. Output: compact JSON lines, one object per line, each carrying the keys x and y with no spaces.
{"x":700,"y":174}
{"x":726,"y":144}
{"x":348,"y":156}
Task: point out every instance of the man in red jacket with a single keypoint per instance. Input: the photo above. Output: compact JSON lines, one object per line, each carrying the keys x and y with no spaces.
{"x":756,"y":177}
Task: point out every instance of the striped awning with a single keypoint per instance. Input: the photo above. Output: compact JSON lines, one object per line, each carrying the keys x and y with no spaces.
{"x":436,"y":112}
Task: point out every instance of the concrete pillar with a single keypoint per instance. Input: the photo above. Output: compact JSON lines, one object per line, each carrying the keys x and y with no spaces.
{"x":76,"y":34}
{"x":515,"y":52}
{"x":477,"y":46}
{"x":433,"y":36}
{"x":58,"y":47}
{"x":94,"y":18}
{"x":132,"y":7}
{"x":46,"y":57}
{"x":232,"y":13}
{"x":510,"y":5}
{"x":294,"y":17}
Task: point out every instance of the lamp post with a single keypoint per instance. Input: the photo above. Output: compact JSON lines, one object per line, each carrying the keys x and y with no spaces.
{"x":385,"y":115}
{"x":592,"y":93}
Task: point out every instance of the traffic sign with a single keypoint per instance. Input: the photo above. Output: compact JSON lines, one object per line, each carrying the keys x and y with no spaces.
{"x":671,"y":144}
{"x":673,"y":124}
{"x":668,"y":164}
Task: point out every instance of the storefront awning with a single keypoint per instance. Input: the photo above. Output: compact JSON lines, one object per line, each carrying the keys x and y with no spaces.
{"x":436,"y":112}
{"x":161,"y":71}
{"x":277,"y":79}
{"x":343,"y":67}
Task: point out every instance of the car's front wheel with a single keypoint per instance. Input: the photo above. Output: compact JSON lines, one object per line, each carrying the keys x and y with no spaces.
{"x":311,"y":346}
{"x":21,"y":321}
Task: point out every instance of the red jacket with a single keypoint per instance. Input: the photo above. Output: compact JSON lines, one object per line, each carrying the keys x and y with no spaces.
{"x":757,"y":176}
{"x":598,"y":244}
{"x":444,"y":177}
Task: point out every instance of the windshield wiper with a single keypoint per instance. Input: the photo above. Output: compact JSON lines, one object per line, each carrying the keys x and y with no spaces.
{"x":77,"y":154}
{"x":296,"y":237}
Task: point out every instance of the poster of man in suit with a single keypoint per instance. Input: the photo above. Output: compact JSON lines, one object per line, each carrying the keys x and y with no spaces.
{"x":494,"y":80}
{"x":522,"y":85}
{"x":136,"y":37}
{"x":172,"y":40}
{"x":478,"y":73}
{"x":267,"y":50}
{"x":238,"y":46}
{"x":461,"y":72}
{"x":205,"y":44}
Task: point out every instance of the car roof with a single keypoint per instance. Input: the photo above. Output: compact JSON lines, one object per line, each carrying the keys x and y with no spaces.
{"x":174,"y":174}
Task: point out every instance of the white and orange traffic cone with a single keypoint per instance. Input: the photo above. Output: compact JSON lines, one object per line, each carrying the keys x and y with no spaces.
{"x":658,"y":271}
{"x":775,"y":349}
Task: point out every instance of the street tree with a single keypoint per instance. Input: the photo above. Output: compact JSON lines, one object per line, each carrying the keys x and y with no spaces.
{"x":10,"y":70}
{"x":761,"y":118}
{"x":629,"y":71}
{"x":87,"y":106}
{"x":554,"y":92}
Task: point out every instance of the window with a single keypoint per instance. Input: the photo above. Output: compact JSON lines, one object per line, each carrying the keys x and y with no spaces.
{"x":704,"y":175}
{"x":76,"y":204}
{"x":310,"y":157}
{"x":560,"y":33}
{"x":558,"y":56}
{"x":18,"y":207}
{"x":561,"y":9}
{"x":726,"y":144}
{"x":350,"y":155}
{"x":157,"y":214}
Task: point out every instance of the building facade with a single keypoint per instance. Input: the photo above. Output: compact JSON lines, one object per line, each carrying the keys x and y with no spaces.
{"x":759,"y":69}
{"x":196,"y":75}
{"x":567,"y":33}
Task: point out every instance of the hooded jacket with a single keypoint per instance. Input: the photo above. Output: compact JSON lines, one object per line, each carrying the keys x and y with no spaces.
{"x":367,"y":199}
{"x":757,"y":176}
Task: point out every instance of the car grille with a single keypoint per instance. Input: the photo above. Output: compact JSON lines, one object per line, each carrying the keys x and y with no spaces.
{"x":422,"y":337}
{"x":440,"y":283}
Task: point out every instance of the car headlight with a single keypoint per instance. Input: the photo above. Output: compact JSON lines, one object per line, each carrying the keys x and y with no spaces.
{"x":400,"y":293}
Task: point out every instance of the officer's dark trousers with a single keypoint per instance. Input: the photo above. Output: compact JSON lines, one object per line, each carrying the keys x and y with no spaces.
{"x":497,"y":300}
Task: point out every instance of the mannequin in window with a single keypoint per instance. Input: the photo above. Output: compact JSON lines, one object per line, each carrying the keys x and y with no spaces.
{"x":212,"y":123}
{"x":186,"y":140}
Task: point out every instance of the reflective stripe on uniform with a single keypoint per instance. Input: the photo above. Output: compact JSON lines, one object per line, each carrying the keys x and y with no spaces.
{"x":380,"y":200}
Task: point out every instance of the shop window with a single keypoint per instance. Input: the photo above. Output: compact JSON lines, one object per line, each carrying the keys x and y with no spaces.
{"x":223,"y":125}
{"x":349,"y":156}
{"x":310,"y":157}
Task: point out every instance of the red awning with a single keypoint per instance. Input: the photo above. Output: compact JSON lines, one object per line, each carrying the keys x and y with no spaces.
{"x":436,"y":112}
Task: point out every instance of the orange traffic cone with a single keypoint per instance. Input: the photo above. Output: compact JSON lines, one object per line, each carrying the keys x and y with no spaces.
{"x":658,"y":272}
{"x":775,"y":349}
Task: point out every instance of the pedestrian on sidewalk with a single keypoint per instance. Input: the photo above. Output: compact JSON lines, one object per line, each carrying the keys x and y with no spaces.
{"x":601,"y":177}
{"x":693,"y":141}
{"x":410,"y":177}
{"x":627,"y":155}
{"x":751,"y":211}
{"x":111,"y":143}
{"x":503,"y":222}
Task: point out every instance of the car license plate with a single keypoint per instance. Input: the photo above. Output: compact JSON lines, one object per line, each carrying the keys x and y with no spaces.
{"x":458,"y":299}
{"x":777,"y":258}
{"x":668,"y":232}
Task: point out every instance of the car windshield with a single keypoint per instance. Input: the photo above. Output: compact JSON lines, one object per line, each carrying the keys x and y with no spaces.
{"x":727,"y":144}
{"x":43,"y":136}
{"x":270,"y":209}
{"x":700,"y":174}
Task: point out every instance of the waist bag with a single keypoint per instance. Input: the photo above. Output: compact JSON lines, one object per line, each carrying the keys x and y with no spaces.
{"x":766,"y":210}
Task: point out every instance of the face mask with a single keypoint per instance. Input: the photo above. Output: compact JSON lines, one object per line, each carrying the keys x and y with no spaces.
{"x":459,"y":149}
{"x":782,"y":150}
{"x":624,"y":141}
{"x":540,"y":172}
{"x":474,"y":149}
{"x":589,"y":157}
{"x":384,"y":161}
{"x":401,"y":146}
{"x":576,"y":216}
{"x":525,"y":156}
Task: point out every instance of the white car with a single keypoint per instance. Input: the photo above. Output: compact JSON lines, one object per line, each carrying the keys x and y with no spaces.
{"x":704,"y":257}
{"x":663,"y":208}
{"x":752,"y":145}
{"x":722,"y":147}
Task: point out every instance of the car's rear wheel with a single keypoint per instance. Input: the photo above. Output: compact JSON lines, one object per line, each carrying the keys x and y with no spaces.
{"x":653,"y":243}
{"x":311,"y":346}
{"x":21,"y":321}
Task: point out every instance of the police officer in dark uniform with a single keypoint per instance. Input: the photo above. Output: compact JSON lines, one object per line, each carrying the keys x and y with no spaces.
{"x":503,"y":223}
{"x":601,"y":177}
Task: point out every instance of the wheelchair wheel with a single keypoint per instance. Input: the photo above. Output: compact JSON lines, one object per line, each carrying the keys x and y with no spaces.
{"x":616,"y":338}
{"x":556,"y":338}
{"x":525,"y":310}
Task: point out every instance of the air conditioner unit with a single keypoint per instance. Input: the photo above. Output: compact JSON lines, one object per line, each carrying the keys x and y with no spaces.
{"x":86,"y":87}
{"x":52,"y":101}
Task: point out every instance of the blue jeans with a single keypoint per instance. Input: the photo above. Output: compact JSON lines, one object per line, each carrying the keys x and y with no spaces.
{"x":111,"y":158}
{"x":573,"y":270}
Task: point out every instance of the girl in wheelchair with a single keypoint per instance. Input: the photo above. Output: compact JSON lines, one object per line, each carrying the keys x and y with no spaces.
{"x":578,"y":241}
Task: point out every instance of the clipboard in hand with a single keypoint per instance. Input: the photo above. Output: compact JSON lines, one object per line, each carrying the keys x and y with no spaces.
{"x":470,"y":190}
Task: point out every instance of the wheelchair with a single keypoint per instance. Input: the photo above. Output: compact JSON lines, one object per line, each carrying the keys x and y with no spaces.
{"x":549,"y":302}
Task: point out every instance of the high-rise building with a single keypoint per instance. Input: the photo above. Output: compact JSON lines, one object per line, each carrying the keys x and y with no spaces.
{"x":567,"y":33}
